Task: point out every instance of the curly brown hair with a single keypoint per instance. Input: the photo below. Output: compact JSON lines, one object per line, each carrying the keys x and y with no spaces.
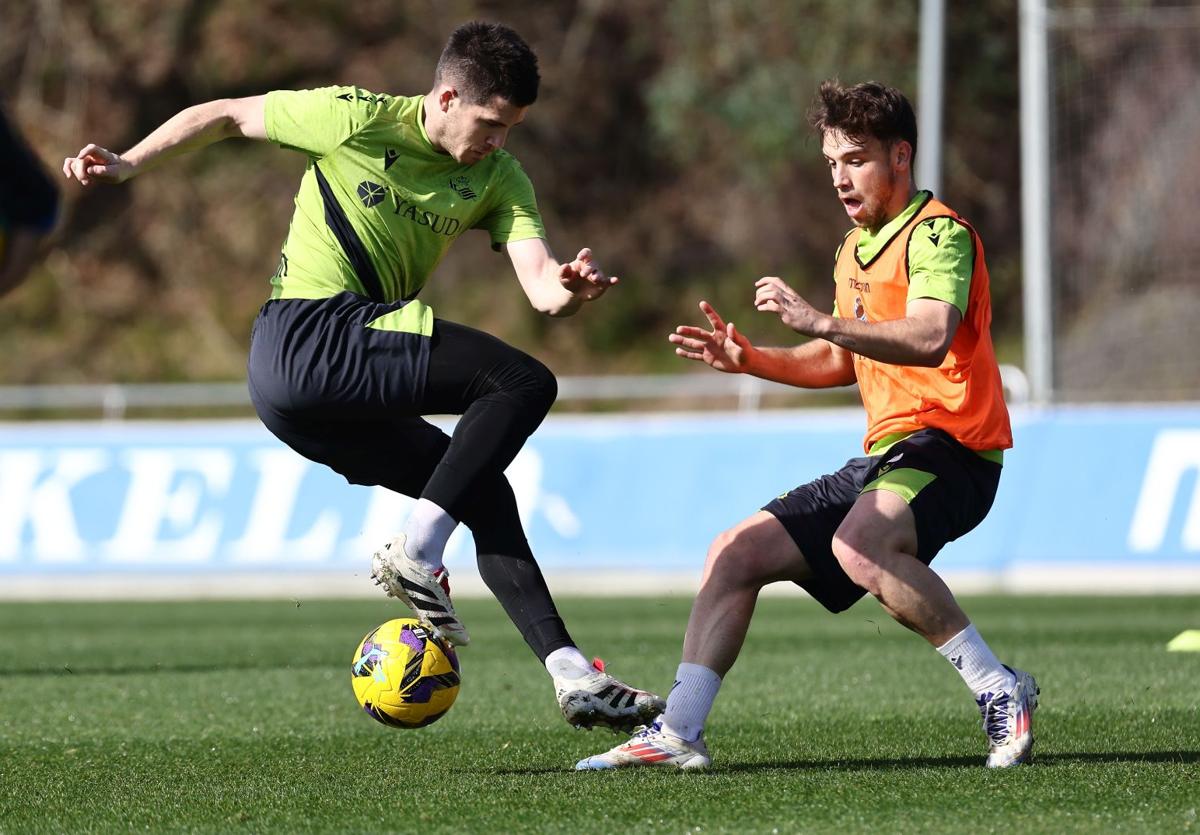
{"x":863,"y":111}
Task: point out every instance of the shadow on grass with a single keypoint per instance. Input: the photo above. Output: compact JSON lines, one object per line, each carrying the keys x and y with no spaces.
{"x":903,"y":763}
{"x":1120,"y":757}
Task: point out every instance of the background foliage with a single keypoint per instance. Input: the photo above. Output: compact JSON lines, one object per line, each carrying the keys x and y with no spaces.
{"x":670,"y":136}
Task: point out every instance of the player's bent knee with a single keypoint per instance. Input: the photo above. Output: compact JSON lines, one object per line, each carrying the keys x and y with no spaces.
{"x":734,"y":561}
{"x":528,"y":383}
{"x":543,"y":386}
{"x":862,"y":570}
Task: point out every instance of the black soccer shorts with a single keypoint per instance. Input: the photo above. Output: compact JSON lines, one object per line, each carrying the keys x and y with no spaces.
{"x":351,"y":396}
{"x":949,"y":488}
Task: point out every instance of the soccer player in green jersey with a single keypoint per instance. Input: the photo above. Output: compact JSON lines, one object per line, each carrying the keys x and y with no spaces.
{"x":345,"y":360}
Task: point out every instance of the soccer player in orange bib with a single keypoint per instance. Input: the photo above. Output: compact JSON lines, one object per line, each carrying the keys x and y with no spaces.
{"x":912,"y":326}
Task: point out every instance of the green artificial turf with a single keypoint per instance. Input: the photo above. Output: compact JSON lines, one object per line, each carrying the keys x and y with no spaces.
{"x":239,"y":717}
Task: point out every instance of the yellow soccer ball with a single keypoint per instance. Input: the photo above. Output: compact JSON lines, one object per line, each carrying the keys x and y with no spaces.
{"x":403,"y":675}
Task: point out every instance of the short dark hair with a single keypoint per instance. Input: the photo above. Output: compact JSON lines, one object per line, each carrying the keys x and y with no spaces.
{"x":863,"y":111}
{"x":485,"y":60}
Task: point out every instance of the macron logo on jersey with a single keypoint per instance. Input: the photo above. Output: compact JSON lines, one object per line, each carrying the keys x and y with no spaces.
{"x":934,"y":237}
{"x":390,"y":155}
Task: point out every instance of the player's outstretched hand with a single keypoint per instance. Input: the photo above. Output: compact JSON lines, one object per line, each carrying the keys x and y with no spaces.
{"x":584,"y":278}
{"x":94,"y":164}
{"x":772,"y":295}
{"x":725,"y":348}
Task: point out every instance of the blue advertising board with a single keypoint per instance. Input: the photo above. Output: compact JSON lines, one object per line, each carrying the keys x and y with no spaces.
{"x":1084,"y":487}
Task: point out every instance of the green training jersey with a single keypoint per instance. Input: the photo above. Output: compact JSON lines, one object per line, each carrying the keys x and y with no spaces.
{"x":941,"y":254}
{"x":378,"y":205}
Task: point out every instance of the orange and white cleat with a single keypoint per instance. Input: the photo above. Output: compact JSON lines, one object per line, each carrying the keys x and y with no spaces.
{"x":1008,"y":721}
{"x":651,"y":746}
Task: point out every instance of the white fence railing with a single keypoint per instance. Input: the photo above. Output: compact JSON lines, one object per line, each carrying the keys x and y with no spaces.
{"x":115,"y":400}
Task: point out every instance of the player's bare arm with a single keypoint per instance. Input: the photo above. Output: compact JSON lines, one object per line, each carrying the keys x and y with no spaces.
{"x":921,"y":338}
{"x":553,"y":288}
{"x":188,"y":130}
{"x":815,"y":364}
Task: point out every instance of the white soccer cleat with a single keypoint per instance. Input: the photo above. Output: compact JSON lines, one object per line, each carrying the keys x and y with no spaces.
{"x":596,"y":698}
{"x":426,"y":592}
{"x":651,"y":746}
{"x":1008,"y":721}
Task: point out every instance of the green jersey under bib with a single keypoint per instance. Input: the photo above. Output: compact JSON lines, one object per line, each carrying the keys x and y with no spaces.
{"x":379,"y":205}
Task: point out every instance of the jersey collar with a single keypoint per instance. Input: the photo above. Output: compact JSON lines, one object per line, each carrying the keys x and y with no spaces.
{"x":421,"y":128}
{"x":870,"y":245}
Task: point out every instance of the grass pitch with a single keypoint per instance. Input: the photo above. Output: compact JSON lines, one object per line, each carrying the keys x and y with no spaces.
{"x":232,"y":717}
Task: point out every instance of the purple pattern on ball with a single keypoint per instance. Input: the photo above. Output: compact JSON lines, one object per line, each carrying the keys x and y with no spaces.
{"x":412,"y":641}
{"x":420,"y":694}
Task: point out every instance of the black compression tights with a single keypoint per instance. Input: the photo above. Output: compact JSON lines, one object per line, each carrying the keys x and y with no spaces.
{"x":502,"y":395}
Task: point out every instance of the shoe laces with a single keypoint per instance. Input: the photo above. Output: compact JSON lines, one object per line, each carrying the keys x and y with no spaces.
{"x":442,"y":578}
{"x":997,"y":716}
{"x":643,"y":731}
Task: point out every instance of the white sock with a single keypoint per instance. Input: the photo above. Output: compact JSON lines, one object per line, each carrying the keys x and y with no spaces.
{"x":427,"y":529}
{"x":690,"y":701}
{"x":976,"y":663}
{"x":567,"y":662}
